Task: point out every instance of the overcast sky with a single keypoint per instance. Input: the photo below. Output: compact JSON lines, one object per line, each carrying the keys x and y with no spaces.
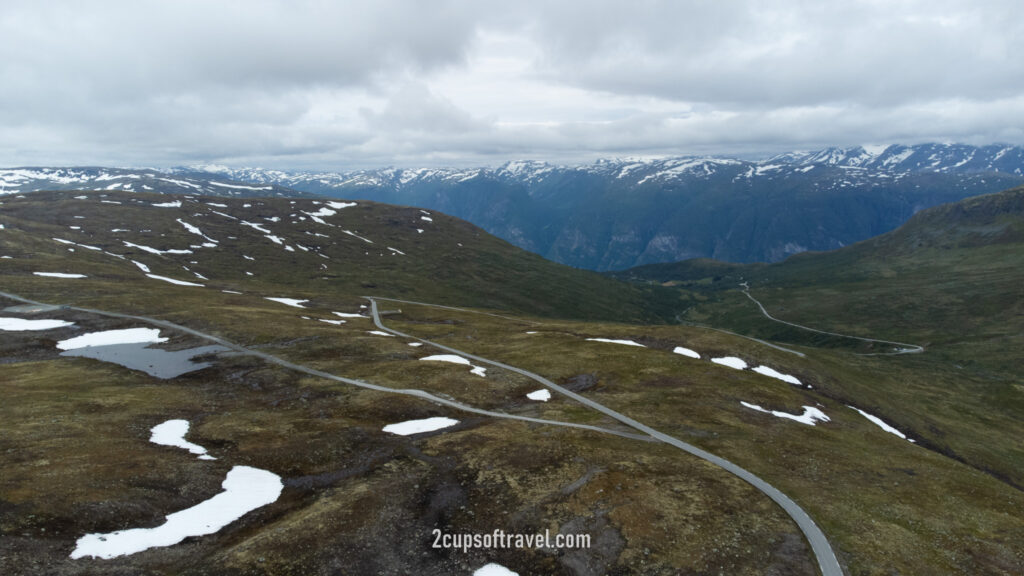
{"x":355,"y":84}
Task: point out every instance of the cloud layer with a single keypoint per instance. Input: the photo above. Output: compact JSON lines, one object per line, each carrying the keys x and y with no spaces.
{"x":369,"y":83}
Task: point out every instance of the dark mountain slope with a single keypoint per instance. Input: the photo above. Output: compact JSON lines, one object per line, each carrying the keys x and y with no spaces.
{"x":950,"y":268}
{"x":951,"y":280}
{"x":355,"y":247}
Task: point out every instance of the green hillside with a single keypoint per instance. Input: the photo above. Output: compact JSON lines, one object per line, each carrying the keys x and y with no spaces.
{"x":950,"y":280}
{"x":365,"y":248}
{"x":952,"y":275}
{"x":78,"y":457}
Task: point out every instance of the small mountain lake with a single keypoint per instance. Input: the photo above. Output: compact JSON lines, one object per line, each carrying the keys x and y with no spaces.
{"x":153,"y":361}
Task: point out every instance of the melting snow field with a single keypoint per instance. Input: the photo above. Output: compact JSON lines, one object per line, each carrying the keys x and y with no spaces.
{"x":774,"y":374}
{"x":347,"y":315}
{"x":493,"y":569}
{"x":731,"y":362}
{"x":686,"y":352}
{"x":110,"y":337}
{"x":417,"y":426}
{"x":245,"y":489}
{"x":20,"y":324}
{"x":478,"y":370}
{"x":172,"y":433}
{"x":542,"y":395}
{"x":289,"y":301}
{"x":810,"y":415}
{"x":173,"y":281}
{"x":881,"y":424}
{"x":59,"y":275}
{"x":154,"y":250}
{"x":379,"y":333}
{"x":626,"y":342}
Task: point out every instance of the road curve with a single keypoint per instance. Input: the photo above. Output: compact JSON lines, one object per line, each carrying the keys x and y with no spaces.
{"x":328,"y":376}
{"x":906,"y":348}
{"x":827,"y":561}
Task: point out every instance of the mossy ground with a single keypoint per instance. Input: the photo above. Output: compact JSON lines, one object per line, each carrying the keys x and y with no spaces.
{"x":358,"y":500}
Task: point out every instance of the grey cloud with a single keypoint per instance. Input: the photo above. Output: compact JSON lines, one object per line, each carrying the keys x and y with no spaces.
{"x":364,"y":83}
{"x":787,"y":53}
{"x":414,"y":109}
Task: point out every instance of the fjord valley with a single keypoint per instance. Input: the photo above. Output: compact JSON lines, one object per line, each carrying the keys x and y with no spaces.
{"x":620,"y":213}
{"x":385,"y":371}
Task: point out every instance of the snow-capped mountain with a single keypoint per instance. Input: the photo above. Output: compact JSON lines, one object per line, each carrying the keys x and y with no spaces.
{"x":866,"y":163}
{"x":623,"y":212}
{"x":22,"y":180}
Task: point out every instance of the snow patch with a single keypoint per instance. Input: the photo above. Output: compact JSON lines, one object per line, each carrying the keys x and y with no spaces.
{"x":357,"y":236}
{"x":809,"y":417}
{"x":493,"y":569}
{"x":245,"y":489}
{"x":417,"y":426}
{"x":154,"y":250}
{"x":778,"y":375}
{"x":241,"y":187}
{"x":731,"y":362}
{"x":59,"y":275}
{"x":454,"y":359}
{"x":880,"y":423}
{"x":195,"y":230}
{"x":686,"y":352}
{"x":172,"y":433}
{"x":610,"y":341}
{"x":111,"y":337}
{"x":258,"y":227}
{"x":542,"y":395}
{"x":288,"y":301}
{"x":173,"y":281}
{"x":21,"y":325}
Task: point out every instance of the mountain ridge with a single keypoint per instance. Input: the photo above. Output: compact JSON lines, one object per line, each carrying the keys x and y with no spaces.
{"x":615,"y":214}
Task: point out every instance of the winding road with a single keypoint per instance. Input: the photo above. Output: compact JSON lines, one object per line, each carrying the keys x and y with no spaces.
{"x":904,"y":347}
{"x":328,"y":376}
{"x":823,"y":552}
{"x":827,"y":561}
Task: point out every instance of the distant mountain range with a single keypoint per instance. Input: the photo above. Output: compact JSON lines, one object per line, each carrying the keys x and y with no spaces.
{"x":615,"y":214}
{"x":35,"y":179}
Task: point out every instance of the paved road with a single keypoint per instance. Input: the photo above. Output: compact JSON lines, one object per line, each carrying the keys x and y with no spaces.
{"x":328,"y":376}
{"x":826,"y":557}
{"x":827,"y":561}
{"x":904,"y":348}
